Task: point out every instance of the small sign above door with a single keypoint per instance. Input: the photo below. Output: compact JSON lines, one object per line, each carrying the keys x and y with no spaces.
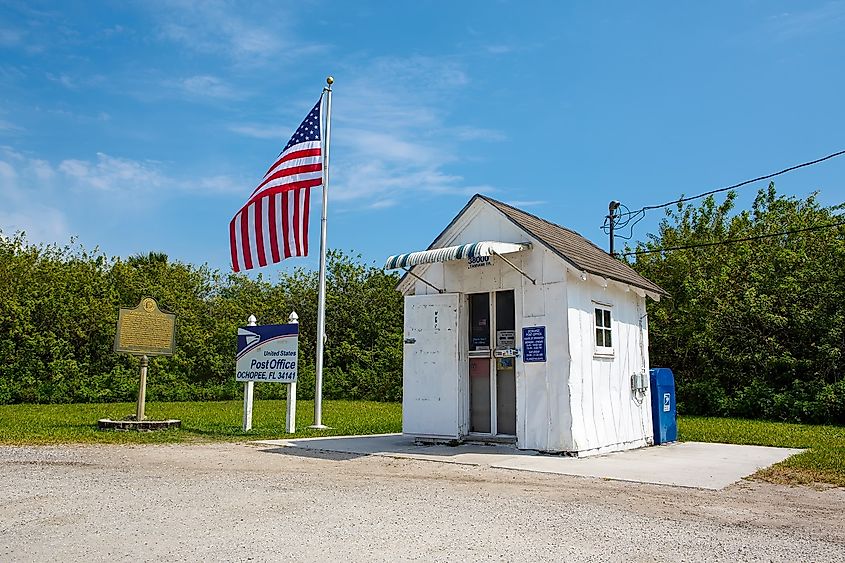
{"x":505,"y":338}
{"x":478,"y":261}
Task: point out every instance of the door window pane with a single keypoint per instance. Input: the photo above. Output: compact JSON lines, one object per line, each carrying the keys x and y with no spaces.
{"x":479,"y":395}
{"x":505,"y":317}
{"x":479,"y":321}
{"x":506,"y":401}
{"x":505,"y":320}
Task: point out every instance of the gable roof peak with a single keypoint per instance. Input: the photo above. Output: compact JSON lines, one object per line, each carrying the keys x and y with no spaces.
{"x":576,"y":249}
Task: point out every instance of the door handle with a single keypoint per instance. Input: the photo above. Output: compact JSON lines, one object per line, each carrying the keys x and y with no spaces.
{"x":410,"y":341}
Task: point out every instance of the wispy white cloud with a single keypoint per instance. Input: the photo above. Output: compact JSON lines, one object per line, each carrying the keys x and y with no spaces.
{"x":478,"y":134}
{"x":499,"y":49}
{"x":220,"y":184}
{"x":241,"y":33}
{"x":63,"y":79}
{"x":36,"y":30}
{"x":63,"y":113}
{"x":210,"y":87}
{"x":77,"y":82}
{"x":51,"y":201}
{"x":114,"y":174}
{"x":11,"y":37}
{"x":111,"y":31}
{"x":383,"y":204}
{"x":9,"y":127}
{"x":827,"y":17}
{"x":258,"y":131}
{"x":22,"y":212}
{"x":41,"y":223}
{"x":526,"y":202}
{"x":396,"y":136}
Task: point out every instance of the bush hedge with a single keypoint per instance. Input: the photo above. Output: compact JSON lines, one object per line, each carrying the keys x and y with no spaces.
{"x":58,"y":313}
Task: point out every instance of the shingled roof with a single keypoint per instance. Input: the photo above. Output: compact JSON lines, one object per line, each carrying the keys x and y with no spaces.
{"x":572,"y":247}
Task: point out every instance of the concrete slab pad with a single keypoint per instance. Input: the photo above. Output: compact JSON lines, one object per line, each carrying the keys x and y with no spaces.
{"x":681,"y":464}
{"x":397,"y":445}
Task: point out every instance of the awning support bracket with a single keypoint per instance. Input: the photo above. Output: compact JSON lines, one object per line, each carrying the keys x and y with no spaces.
{"x":512,"y":265}
{"x":426,"y":282}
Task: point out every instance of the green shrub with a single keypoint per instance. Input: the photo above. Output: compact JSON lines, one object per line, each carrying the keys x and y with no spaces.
{"x":755,"y":328}
{"x":58,"y":311}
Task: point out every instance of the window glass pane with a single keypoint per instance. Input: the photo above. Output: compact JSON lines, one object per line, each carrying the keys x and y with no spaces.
{"x":599,"y":337}
{"x":598,"y":317}
{"x":479,"y":395}
{"x":479,"y":319}
{"x":607,"y":338}
{"x":505,"y":312}
{"x":505,"y":402}
{"x":607,"y":319}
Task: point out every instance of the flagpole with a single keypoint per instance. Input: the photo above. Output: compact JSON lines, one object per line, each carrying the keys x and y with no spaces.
{"x":321,"y":296}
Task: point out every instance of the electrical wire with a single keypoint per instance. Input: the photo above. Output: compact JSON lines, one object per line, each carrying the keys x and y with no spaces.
{"x":731,"y":241}
{"x":621,"y":224}
{"x":739,"y":185}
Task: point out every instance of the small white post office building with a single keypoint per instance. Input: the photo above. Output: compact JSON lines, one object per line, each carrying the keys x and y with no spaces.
{"x":520,"y":330}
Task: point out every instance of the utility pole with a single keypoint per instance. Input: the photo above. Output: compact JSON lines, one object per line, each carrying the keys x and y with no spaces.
{"x":611,"y":217}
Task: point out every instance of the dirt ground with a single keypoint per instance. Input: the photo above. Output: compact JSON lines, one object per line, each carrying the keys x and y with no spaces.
{"x":238,"y":502}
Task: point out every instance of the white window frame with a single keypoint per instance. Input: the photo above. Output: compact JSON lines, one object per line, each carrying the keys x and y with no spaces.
{"x":607,"y":310}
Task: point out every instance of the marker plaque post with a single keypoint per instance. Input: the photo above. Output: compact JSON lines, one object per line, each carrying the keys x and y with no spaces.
{"x":144,"y":331}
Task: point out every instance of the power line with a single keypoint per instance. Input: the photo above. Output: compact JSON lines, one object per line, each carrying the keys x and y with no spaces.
{"x":739,"y":185}
{"x":731,"y":241}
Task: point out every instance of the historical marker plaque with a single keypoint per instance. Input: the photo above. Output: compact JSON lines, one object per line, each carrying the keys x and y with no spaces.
{"x":145,"y":330}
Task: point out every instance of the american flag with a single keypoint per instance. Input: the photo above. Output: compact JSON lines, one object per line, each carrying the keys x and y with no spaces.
{"x":273,"y":224}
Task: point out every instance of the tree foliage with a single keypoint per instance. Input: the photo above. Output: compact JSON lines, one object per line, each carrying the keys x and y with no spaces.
{"x":755,"y":328}
{"x":58,"y":313}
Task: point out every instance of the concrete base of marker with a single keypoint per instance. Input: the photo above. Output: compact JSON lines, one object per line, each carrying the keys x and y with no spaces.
{"x":320,"y":427}
{"x":137,"y":426}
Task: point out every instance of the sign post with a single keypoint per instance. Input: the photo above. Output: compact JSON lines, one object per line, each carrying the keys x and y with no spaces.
{"x":148,"y":331}
{"x":143,"y":331}
{"x":248,"y":390}
{"x":268,"y":353}
{"x":290,"y":419}
{"x":142,"y":388}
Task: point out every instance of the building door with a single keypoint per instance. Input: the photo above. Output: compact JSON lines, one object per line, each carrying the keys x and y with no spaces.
{"x":492,"y":381}
{"x":430,"y":365}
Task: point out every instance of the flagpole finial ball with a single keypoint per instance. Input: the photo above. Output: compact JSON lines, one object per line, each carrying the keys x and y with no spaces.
{"x":330,"y":80}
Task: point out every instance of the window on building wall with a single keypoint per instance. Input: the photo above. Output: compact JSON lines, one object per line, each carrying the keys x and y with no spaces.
{"x":604,"y":331}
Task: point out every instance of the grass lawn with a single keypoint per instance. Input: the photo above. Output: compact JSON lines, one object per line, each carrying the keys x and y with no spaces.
{"x":823,"y":462}
{"x":201,"y":421}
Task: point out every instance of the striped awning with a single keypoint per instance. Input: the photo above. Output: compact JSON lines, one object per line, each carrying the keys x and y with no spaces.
{"x":471,"y":250}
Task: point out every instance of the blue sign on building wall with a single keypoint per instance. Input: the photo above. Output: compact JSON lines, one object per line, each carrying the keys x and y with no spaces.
{"x":534,"y":344}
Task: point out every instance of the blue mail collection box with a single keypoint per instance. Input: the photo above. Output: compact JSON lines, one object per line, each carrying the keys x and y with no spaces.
{"x":664,"y":416}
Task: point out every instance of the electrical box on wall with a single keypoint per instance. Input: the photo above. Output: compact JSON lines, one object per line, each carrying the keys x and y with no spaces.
{"x":639,"y":382}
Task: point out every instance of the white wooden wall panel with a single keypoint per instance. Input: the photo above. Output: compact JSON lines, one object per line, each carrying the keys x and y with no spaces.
{"x":606,"y":414}
{"x":573,"y":401}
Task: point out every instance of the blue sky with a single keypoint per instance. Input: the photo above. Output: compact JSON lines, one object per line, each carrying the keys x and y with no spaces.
{"x":141,"y":126}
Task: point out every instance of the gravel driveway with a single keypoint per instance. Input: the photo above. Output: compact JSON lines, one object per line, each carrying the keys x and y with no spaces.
{"x":246,"y":502}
